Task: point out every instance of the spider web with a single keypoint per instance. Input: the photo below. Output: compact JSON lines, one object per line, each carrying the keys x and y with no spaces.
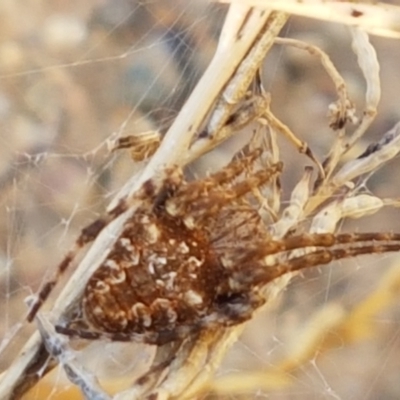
{"x":76,"y":76}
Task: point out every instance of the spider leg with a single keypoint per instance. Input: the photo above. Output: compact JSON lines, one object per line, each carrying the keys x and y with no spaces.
{"x":149,"y":380}
{"x":312,"y":240}
{"x":202,"y":187}
{"x":153,"y":338}
{"x":264,"y":275}
{"x":88,"y":234}
{"x":183,"y":369}
{"x":170,"y":374}
{"x":142,"y":145}
{"x":216,"y":200}
{"x":232,"y":170}
{"x":196,"y":202}
{"x":58,"y":348}
{"x":195,"y":359}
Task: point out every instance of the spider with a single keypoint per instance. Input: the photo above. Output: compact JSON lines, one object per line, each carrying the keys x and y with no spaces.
{"x":195,"y":257}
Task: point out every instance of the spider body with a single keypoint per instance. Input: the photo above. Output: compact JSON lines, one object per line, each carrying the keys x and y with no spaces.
{"x":170,"y":272}
{"x":195,"y":256}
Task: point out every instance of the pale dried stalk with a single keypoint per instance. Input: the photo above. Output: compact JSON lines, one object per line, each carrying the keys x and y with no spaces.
{"x":375,"y":157}
{"x":374,"y":17}
{"x":293,"y":213}
{"x":369,"y":65}
{"x":235,"y":44}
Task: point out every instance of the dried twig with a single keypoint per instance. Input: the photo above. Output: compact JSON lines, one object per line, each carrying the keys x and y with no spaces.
{"x":374,"y":17}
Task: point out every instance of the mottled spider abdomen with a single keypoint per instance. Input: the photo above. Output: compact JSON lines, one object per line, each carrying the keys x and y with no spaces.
{"x":160,"y":274}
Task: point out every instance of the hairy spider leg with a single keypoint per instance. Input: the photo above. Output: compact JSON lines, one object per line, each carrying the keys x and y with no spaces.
{"x":87,"y":235}
{"x":319,"y":258}
{"x":306,"y":240}
{"x":208,"y":206}
{"x":252,"y":274}
{"x":191,"y":191}
{"x":196,"y":203}
{"x":233,"y":169}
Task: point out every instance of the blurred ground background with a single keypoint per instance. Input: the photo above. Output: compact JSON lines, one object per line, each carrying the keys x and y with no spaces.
{"x":74,"y":74}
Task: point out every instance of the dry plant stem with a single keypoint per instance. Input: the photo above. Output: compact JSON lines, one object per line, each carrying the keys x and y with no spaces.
{"x":342,"y":111}
{"x":369,"y":65}
{"x":196,"y":360}
{"x":375,"y":156}
{"x":220,"y":343}
{"x":293,"y":212}
{"x":248,"y":112}
{"x":376,"y":18}
{"x":238,"y":86}
{"x":269,"y":144}
{"x":181,"y":371}
{"x":145,"y":144}
{"x":23,"y":373}
{"x":326,"y":62}
{"x":303,"y":148}
{"x":382,"y":152}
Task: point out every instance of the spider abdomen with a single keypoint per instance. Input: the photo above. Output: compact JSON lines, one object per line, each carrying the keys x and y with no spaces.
{"x":159,"y":275}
